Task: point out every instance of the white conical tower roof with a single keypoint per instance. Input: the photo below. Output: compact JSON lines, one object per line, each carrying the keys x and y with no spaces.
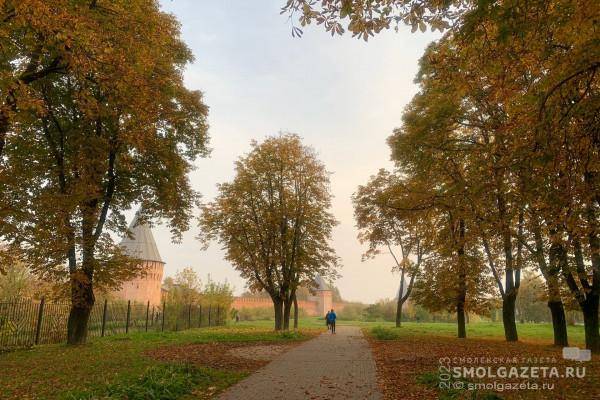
{"x":321,"y":284}
{"x":141,"y":245}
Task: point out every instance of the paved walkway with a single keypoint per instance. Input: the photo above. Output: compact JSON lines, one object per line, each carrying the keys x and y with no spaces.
{"x":328,"y":367}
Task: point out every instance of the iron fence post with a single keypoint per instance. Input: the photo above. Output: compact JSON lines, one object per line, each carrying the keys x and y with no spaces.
{"x":147,"y":313}
{"x":128,"y":316}
{"x":189,"y":316}
{"x":162,"y":328}
{"x":104,"y":318}
{"x":218,"y":315}
{"x":209,"y":310}
{"x":200,"y":317}
{"x":38,"y":327}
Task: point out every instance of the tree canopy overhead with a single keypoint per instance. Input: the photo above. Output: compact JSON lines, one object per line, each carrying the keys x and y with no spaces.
{"x":367,"y":18}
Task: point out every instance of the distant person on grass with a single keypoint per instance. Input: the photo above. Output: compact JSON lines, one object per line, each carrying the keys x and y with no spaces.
{"x":327,"y":320}
{"x":331,"y":317}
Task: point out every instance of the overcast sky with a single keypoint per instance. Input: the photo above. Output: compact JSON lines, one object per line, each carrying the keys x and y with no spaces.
{"x":341,"y":95}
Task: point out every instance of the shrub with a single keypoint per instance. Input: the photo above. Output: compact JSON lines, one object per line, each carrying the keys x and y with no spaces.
{"x":382,"y":333}
{"x":165,"y":382}
{"x":352,"y":312}
{"x":290,"y":335}
{"x":257,"y":314}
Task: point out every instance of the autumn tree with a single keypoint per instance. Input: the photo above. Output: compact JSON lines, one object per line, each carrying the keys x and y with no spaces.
{"x":115,"y":129}
{"x":384,"y":225}
{"x":19,"y":283}
{"x":186,"y":287}
{"x":532,"y":300}
{"x":273,"y":220}
{"x":439,"y":289}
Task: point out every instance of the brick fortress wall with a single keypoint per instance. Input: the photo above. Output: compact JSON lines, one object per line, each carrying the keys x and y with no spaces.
{"x":314,"y":306}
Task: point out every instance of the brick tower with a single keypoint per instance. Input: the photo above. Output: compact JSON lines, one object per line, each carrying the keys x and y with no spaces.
{"x":324,"y":296}
{"x":142,"y":289}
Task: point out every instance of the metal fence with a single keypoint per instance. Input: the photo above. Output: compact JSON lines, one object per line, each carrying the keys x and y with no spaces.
{"x":24,"y":323}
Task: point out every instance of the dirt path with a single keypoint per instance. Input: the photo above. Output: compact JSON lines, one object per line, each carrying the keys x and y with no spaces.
{"x":328,"y":367}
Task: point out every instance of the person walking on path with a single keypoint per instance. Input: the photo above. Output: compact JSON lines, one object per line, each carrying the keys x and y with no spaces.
{"x":331,"y":318}
{"x":327,"y":320}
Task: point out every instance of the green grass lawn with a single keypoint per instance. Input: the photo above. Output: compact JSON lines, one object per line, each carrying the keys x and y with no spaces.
{"x":541,"y":333}
{"x":527,"y":331}
{"x":115,"y":365}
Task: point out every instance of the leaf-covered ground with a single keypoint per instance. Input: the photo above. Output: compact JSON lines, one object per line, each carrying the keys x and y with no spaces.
{"x":408,"y":367}
{"x":228,"y":356}
{"x":134,"y":363}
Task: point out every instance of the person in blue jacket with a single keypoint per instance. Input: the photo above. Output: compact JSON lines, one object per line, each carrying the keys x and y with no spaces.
{"x":331,"y":317}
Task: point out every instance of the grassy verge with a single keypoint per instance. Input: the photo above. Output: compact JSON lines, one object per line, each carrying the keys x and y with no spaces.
{"x":115,"y":363}
{"x":538,"y":333}
{"x":165,"y":382}
{"x":527,"y":331}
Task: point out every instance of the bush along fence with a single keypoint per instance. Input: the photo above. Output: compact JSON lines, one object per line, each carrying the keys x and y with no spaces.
{"x":24,"y":323}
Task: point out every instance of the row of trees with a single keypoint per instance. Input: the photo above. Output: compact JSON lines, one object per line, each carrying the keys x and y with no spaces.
{"x":94,"y":119}
{"x":497,"y":160}
{"x":187,"y":288}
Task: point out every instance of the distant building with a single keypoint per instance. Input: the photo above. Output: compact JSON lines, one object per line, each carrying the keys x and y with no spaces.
{"x":144,"y":288}
{"x":324,"y":296}
{"x":315,"y":305}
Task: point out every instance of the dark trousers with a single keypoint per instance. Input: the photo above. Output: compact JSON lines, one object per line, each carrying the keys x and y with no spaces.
{"x":332,"y":324}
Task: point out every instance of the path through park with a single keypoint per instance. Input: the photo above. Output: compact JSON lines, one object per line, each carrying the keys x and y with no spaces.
{"x":332,"y":367}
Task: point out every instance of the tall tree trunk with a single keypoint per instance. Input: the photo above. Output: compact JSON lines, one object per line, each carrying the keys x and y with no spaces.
{"x":82,"y":289}
{"x":559,"y":323}
{"x":508,"y":316}
{"x":590,"y":311}
{"x":399,"y":310}
{"x":557,"y":309}
{"x":278,"y":307}
{"x":295,"y":312}
{"x":551,"y":271}
{"x":590,"y":320}
{"x":400,"y":300}
{"x":82,"y":301}
{"x":462,"y":282}
{"x":460,"y":320}
{"x":287,"y":307}
{"x":588,"y":302}
{"x":512,"y":270}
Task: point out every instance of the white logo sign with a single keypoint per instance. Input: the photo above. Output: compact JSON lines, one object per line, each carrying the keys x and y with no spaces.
{"x":576,"y":354}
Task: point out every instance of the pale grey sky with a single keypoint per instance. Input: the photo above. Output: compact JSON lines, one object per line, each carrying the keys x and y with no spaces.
{"x":341,"y":95}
